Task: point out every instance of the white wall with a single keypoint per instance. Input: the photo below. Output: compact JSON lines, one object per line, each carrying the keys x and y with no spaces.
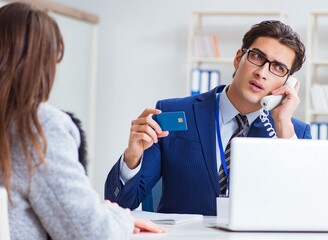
{"x":142,"y":57}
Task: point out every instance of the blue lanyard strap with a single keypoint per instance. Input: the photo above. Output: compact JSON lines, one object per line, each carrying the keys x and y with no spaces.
{"x":223,"y":160}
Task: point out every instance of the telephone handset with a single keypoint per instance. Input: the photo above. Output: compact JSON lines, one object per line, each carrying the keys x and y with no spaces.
{"x":272,"y":101}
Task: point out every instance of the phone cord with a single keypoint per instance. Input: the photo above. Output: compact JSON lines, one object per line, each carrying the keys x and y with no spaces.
{"x":266,"y":122}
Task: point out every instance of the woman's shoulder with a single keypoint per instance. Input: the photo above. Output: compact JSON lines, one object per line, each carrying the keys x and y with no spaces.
{"x":53,"y":119}
{"x":47,"y":112}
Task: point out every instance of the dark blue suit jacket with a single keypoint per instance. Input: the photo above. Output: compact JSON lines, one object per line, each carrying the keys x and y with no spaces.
{"x":186,"y":161}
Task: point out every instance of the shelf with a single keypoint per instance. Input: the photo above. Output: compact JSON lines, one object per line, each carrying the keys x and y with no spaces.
{"x":315,"y":27}
{"x":200,"y":60}
{"x":316,"y":112}
{"x":238,"y":13}
{"x":320,"y":61}
{"x":319,"y":13}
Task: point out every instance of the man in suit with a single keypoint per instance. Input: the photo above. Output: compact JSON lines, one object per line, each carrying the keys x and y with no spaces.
{"x":189,"y":161}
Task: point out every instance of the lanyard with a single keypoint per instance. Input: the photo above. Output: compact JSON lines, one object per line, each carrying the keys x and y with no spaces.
{"x":223,"y":160}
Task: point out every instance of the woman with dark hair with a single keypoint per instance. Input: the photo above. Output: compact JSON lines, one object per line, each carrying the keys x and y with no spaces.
{"x":49,"y":193}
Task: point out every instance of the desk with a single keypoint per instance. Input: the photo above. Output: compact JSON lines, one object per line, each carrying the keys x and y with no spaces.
{"x":203,"y":230}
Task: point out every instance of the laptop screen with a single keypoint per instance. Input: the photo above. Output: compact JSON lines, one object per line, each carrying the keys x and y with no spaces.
{"x":278,"y":185}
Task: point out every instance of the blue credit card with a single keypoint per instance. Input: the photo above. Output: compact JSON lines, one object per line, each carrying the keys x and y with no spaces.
{"x":172,"y":121}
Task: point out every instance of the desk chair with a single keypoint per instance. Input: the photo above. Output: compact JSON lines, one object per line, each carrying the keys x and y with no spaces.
{"x":4,"y":223}
{"x":151,"y":202}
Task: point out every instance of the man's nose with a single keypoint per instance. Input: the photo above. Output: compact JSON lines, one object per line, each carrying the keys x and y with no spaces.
{"x":263,"y":71}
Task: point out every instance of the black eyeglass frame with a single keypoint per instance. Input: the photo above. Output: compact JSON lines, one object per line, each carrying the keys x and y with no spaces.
{"x":247,"y":51}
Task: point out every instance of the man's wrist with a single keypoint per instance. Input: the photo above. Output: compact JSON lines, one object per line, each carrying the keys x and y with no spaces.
{"x":131,"y":160}
{"x":285,"y":129}
{"x":126,"y":174}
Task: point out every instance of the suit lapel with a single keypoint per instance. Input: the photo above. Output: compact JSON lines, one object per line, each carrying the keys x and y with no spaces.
{"x":204,"y":111}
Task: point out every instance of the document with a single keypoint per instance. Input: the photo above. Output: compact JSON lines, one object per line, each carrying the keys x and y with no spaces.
{"x":167,"y":218}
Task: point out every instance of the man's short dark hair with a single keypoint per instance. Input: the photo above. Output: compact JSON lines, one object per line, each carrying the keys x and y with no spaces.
{"x":281,"y":32}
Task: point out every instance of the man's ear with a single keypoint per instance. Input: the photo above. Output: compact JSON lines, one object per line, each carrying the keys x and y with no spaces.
{"x":237,"y":59}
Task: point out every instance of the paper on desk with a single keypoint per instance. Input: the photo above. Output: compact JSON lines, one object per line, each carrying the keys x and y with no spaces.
{"x":167,"y":218}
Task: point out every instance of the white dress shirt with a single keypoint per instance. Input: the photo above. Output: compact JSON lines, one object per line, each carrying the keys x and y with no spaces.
{"x":228,"y":123}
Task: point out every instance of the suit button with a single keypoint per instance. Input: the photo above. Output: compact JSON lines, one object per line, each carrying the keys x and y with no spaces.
{"x":117,"y":191}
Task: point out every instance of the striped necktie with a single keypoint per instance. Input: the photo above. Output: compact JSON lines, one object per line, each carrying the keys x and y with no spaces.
{"x":240,"y":132}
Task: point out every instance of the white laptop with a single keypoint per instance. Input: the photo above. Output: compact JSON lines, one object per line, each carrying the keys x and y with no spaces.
{"x":278,"y":185}
{"x":4,"y":225}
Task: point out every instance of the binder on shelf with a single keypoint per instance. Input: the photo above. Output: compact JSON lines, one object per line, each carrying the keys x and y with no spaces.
{"x":316,"y":103}
{"x":214,"y":79}
{"x":215,"y":46}
{"x":199,"y":46}
{"x":203,"y":80}
{"x":195,"y":82}
{"x":325,"y":96}
{"x":323,"y":132}
{"x":205,"y":45}
{"x":319,"y":130}
{"x":314,"y":130}
{"x":319,"y":97}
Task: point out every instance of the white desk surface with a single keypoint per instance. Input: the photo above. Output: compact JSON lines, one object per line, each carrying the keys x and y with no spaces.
{"x":202,"y":230}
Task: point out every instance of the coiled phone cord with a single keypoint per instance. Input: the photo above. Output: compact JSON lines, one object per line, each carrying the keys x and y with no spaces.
{"x":266,"y":122}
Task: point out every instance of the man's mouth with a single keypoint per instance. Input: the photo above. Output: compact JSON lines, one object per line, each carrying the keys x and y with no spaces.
{"x":257,"y":85}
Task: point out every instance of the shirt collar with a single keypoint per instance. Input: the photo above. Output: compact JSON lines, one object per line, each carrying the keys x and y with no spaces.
{"x":228,"y":111}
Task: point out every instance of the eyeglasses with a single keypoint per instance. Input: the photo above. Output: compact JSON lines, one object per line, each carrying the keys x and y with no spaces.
{"x":259,"y":60}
